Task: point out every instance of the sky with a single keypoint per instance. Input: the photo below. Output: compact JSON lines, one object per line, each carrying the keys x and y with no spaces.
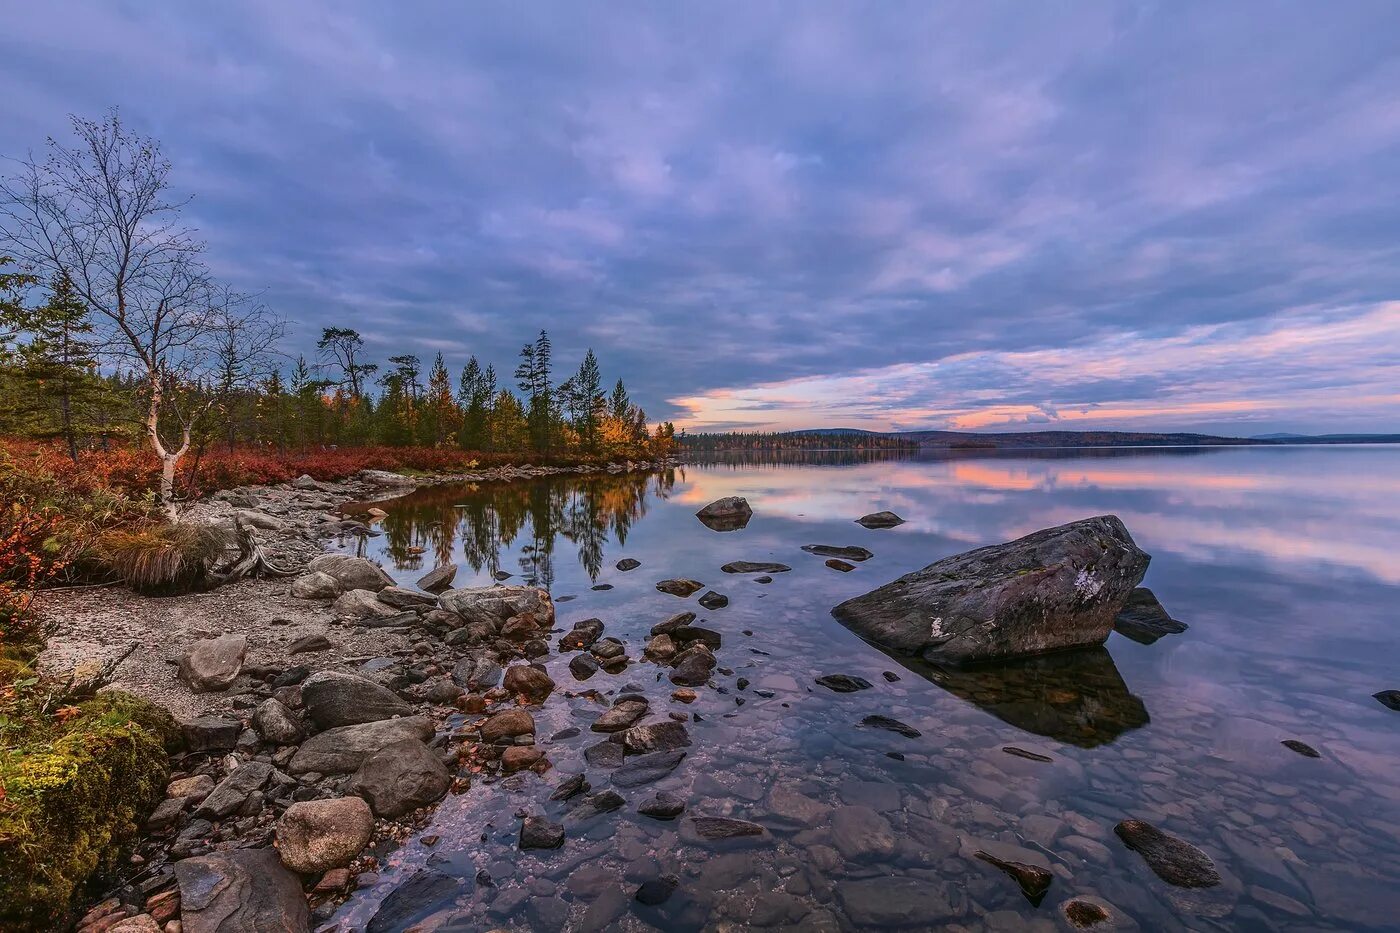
{"x":776,"y":215}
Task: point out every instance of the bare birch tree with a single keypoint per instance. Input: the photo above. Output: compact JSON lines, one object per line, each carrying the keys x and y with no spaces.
{"x":101,"y":213}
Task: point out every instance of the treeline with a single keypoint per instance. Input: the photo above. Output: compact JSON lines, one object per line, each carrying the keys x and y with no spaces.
{"x":52,"y":387}
{"x":794,"y":440}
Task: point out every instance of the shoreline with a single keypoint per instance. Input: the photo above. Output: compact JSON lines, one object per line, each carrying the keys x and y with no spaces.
{"x":288,"y":639}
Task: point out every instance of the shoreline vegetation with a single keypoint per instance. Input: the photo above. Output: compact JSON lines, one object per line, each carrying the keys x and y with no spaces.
{"x":133,"y":385}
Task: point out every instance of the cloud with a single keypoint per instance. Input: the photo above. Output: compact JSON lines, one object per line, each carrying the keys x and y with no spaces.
{"x":742,"y":195}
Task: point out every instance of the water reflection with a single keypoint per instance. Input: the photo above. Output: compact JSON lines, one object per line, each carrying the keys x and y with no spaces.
{"x":479,"y":523}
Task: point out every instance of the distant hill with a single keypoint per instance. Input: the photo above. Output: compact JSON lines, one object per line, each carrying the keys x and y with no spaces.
{"x":858,"y":439}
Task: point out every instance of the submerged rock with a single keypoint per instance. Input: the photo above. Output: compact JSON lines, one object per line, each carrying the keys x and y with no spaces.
{"x":1144,"y":620}
{"x":840,"y":565}
{"x":664,"y":805}
{"x":750,"y":566}
{"x":646,"y":769}
{"x":843,"y":683}
{"x":656,"y":891}
{"x":536,"y":832}
{"x":831,"y":550}
{"x":893,"y":725}
{"x":713,"y":600}
{"x":728,"y":514}
{"x":424,"y":892}
{"x":1174,"y":860}
{"x":1033,"y":879}
{"x":880,"y":520}
{"x":1058,"y":588}
{"x":719,"y":827}
{"x":1302,"y":748}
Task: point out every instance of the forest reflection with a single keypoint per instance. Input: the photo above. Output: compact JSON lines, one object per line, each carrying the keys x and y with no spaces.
{"x":477,"y":524}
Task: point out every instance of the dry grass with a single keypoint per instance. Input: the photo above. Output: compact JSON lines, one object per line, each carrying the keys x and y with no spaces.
{"x":163,"y":558}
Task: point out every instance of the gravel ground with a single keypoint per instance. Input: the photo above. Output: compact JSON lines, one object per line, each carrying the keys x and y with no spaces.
{"x":97,"y":624}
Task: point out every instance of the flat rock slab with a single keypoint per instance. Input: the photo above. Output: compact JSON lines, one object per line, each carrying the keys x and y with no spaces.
{"x":238,"y":890}
{"x":896,"y":903}
{"x":719,"y":827}
{"x":646,"y":769}
{"x":843,"y":683}
{"x":751,"y":566}
{"x":831,"y":550}
{"x":880,"y":520}
{"x":1144,"y":620}
{"x":892,"y":725}
{"x":1174,"y":860}
{"x":1033,"y":880}
{"x":1058,"y":588}
{"x":423,"y":893}
{"x":682,"y":588}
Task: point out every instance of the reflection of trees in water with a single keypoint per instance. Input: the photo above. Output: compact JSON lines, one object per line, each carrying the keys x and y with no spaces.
{"x":587,"y":510}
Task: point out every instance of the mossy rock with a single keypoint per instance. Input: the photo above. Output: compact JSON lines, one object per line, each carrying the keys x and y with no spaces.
{"x":72,"y":799}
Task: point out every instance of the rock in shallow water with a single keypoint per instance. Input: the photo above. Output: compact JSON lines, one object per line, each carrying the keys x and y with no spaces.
{"x":1390,"y":699}
{"x":1174,"y":860}
{"x":646,"y":769}
{"x":657,"y":890}
{"x":843,"y":683}
{"x":1144,"y":620}
{"x":728,"y":514}
{"x":682,"y":588}
{"x":664,"y":805}
{"x":719,"y":827}
{"x":893,"y":725}
{"x":1033,"y":879}
{"x":536,"y":832}
{"x":831,"y":550}
{"x":1058,"y":588}
{"x":880,"y":520}
{"x":424,"y":892}
{"x":1302,"y":748}
{"x":750,"y":566}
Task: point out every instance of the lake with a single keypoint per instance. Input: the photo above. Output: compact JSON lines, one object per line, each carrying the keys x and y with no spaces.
{"x":1283,"y":561}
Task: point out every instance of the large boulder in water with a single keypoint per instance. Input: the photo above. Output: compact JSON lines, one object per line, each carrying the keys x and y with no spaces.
{"x":728,"y":514}
{"x":1057,"y":588}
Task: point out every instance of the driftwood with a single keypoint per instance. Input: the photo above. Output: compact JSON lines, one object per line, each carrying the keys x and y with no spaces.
{"x":251,"y":560}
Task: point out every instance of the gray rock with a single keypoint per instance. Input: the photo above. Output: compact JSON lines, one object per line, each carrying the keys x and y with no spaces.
{"x":214,"y":663}
{"x":362,"y":606}
{"x":571,"y":787}
{"x":425,"y":892}
{"x":663,"y":805}
{"x":831,"y":550}
{"x":342,"y":750}
{"x":689,"y":634}
{"x":316,"y":585}
{"x":646,"y":769}
{"x":230,"y":793}
{"x":1034,"y":880}
{"x":891,"y":903}
{"x":604,"y":754}
{"x":1056,"y":588}
{"x":749,"y":566}
{"x":438,"y":579}
{"x":1173,"y":860}
{"x":661,"y":648}
{"x":692,"y":667}
{"x":655,"y":737}
{"x":596,"y":805}
{"x":210,"y":733}
{"x":496,"y":604}
{"x":314,"y":836}
{"x":536,"y":832}
{"x":861,"y":834}
{"x":306,"y":643}
{"x":621,"y":715}
{"x":353,"y":573}
{"x":401,"y":597}
{"x":843,"y":683}
{"x":480,"y":671}
{"x":260,"y":520}
{"x":334,"y":699}
{"x":276,"y":724}
{"x":728,"y":514}
{"x":628,"y":563}
{"x":880,"y":520}
{"x":583,"y":666}
{"x":400,"y":778}
{"x":582,"y":635}
{"x":1144,"y":620}
{"x":713,"y":600}
{"x":1390,"y":699}
{"x":893,"y":725}
{"x":669,"y":626}
{"x":719,"y":827}
{"x":240,"y":891}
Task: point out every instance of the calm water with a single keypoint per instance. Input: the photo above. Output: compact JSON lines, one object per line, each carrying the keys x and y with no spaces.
{"x":1285,"y":562}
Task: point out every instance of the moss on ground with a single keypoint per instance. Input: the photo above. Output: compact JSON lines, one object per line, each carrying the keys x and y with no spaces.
{"x":73,"y":794}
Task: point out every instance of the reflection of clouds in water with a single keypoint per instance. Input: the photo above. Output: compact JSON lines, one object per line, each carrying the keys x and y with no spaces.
{"x":1309,"y":507}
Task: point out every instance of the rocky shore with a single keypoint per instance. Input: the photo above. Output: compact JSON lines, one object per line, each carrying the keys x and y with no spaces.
{"x":324,"y":715}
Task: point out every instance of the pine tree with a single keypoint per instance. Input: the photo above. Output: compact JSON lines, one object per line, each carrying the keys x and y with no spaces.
{"x":440,"y":412}
{"x":620,"y":403}
{"x":59,"y":362}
